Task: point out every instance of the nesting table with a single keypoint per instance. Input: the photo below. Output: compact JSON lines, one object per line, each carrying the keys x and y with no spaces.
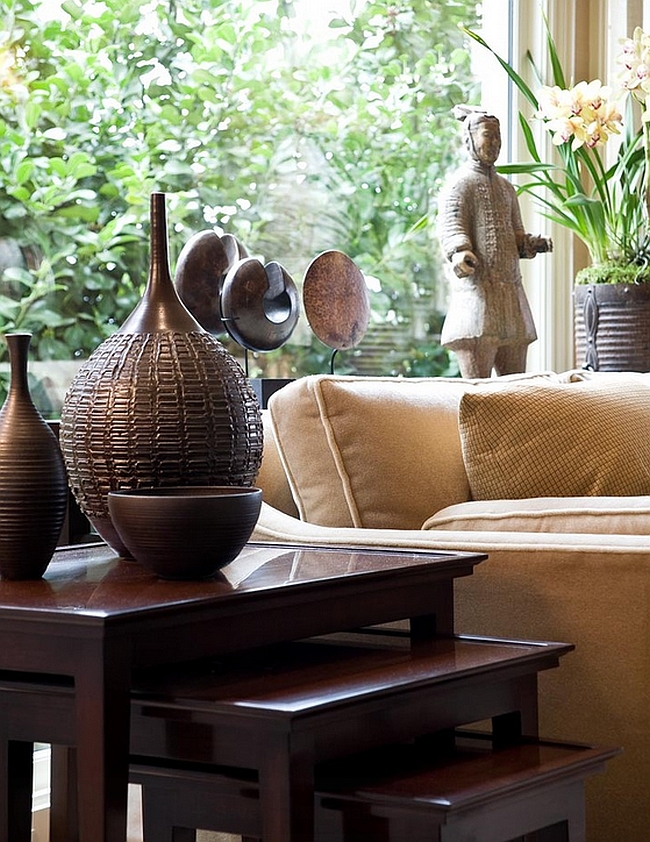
{"x":97,"y":619}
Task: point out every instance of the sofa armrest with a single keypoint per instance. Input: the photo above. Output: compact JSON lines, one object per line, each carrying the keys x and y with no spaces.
{"x":277,"y":527}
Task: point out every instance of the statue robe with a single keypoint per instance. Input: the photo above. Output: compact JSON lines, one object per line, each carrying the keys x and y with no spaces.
{"x":479,"y":212}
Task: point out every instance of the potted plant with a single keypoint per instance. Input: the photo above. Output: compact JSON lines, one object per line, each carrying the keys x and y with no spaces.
{"x":605,"y":204}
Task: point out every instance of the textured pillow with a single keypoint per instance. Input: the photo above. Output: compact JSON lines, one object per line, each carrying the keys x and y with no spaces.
{"x":354,"y":449}
{"x":595,"y":515}
{"x":379,"y":452}
{"x":557,"y":440}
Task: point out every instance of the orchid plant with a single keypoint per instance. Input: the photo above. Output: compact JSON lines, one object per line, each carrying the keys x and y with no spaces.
{"x":605,"y":202}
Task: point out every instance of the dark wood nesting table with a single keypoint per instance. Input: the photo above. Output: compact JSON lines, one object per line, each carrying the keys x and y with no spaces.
{"x":97,"y":619}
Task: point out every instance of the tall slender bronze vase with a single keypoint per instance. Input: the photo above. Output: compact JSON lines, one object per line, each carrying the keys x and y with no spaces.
{"x":33,"y":484}
{"x":159,"y":403}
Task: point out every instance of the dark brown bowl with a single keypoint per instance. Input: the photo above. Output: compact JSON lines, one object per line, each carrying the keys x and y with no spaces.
{"x":185,"y":532}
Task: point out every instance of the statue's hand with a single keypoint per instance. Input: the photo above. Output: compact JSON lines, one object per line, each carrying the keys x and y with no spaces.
{"x":464,"y":263}
{"x":535,"y":244}
{"x":543,"y":244}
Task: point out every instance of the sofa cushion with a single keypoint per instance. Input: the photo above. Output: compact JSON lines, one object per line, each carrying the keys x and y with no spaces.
{"x":378,"y":452}
{"x":557,"y":440}
{"x":607,"y":377}
{"x":593,"y":515}
{"x":271,"y":477}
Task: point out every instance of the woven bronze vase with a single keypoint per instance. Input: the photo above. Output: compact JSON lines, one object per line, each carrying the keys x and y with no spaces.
{"x":159,"y":403}
{"x":33,"y":484}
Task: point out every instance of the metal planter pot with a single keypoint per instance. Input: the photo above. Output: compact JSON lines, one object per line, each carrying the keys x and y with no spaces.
{"x":612,"y":326}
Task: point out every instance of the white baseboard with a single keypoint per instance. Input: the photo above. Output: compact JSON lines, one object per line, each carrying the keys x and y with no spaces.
{"x":41,"y":796}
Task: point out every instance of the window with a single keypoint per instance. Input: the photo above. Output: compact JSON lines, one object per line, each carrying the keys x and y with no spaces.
{"x":293,"y":144}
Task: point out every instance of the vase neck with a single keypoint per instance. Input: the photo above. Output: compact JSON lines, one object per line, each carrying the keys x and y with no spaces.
{"x":160,"y":309}
{"x":18,"y":344}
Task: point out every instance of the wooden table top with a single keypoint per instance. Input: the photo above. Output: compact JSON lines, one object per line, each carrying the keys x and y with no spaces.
{"x":89,"y":581}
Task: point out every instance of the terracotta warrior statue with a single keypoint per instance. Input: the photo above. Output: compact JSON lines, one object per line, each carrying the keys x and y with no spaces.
{"x":489,"y":324}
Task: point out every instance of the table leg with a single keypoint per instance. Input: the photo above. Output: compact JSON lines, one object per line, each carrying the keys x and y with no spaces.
{"x":16,"y":771}
{"x":286,"y":782}
{"x":64,"y":824}
{"x":102,"y":687}
{"x":440,"y":621}
{"x":510,"y":727}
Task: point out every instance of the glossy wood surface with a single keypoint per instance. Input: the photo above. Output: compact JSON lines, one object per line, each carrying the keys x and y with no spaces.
{"x":319,"y":675}
{"x":96,"y":618}
{"x":298,"y":704}
{"x":91,"y":581}
{"x":280,"y":710}
{"x":472,"y":772}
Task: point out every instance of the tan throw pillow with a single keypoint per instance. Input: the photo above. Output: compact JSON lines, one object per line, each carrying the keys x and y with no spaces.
{"x":271,"y":476}
{"x":557,"y":440}
{"x":379,"y":452}
{"x":373,"y":452}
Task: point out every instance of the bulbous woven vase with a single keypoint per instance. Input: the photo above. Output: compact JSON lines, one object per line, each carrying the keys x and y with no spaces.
{"x":159,"y":403}
{"x":33,"y":484}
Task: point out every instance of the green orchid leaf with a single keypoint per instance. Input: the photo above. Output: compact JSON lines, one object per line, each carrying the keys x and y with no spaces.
{"x":516,"y":78}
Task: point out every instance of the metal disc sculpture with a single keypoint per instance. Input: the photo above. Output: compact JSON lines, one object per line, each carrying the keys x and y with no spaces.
{"x":227,"y":291}
{"x":259,"y":304}
{"x":336,"y":301}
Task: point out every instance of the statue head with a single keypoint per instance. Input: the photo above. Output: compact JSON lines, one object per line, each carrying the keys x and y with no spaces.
{"x":482,"y":133}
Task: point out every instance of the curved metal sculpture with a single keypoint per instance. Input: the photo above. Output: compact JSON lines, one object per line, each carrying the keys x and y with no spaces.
{"x":259,"y":304}
{"x":200,"y":271}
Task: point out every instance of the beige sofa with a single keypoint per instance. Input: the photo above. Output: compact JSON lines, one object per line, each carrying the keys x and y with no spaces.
{"x":548,"y":475}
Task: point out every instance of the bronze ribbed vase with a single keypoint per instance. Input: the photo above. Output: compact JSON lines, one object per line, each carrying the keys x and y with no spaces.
{"x":159,"y":403}
{"x":33,"y":484}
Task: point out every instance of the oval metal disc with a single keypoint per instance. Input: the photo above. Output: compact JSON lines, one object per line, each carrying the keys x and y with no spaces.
{"x":335,"y":298}
{"x":200,"y":271}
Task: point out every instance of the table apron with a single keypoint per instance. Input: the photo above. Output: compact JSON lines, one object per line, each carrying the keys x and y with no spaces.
{"x":213,"y":632}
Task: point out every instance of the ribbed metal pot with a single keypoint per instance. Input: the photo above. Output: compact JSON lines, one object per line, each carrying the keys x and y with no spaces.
{"x":33,"y":484}
{"x":159,"y":403}
{"x":612,"y":326}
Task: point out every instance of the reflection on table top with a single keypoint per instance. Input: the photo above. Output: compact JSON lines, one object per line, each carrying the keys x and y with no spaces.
{"x":91,"y":581}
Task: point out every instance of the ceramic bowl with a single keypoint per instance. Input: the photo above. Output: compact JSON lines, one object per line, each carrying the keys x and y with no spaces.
{"x":185,"y":532}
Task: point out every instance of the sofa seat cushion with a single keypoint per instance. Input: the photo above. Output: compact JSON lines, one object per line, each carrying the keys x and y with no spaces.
{"x":376,"y":452}
{"x":587,"y":438}
{"x":593,"y":515}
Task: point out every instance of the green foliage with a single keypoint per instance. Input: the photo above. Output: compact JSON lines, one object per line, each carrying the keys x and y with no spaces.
{"x":428,"y":360}
{"x":221,"y":105}
{"x":395,"y":139}
{"x":610,"y":272}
